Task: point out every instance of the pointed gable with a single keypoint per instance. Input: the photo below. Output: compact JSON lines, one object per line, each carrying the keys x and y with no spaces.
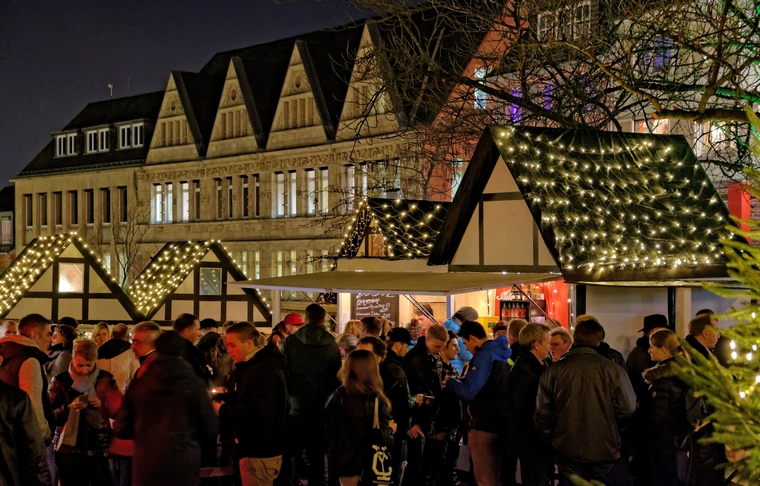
{"x":233,"y":132}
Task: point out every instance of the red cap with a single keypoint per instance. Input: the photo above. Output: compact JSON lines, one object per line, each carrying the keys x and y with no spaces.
{"x":293,"y":319}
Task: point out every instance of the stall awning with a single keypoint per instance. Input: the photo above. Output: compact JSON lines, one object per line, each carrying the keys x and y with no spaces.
{"x":415,"y":283}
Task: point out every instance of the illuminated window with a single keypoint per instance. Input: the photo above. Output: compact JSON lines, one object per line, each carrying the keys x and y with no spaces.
{"x":211,"y":281}
{"x":71,"y":277}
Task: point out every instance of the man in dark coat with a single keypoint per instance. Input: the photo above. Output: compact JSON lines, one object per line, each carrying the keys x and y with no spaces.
{"x":639,"y":359}
{"x":23,"y":459}
{"x":424,"y":372}
{"x":188,"y":326}
{"x":168,"y":413}
{"x":523,"y":442}
{"x":256,"y":410}
{"x":312,"y":361}
{"x":582,"y":401}
{"x":485,"y":388}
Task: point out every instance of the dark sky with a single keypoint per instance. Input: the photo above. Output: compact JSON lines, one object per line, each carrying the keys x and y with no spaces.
{"x":58,"y":55}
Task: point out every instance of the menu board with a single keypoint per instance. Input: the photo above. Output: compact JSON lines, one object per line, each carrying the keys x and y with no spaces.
{"x":380,"y":305}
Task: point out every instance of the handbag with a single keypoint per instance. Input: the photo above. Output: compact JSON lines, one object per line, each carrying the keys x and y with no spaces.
{"x":378,"y":465}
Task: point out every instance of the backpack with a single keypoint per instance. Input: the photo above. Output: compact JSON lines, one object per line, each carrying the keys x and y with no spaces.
{"x":696,"y":408}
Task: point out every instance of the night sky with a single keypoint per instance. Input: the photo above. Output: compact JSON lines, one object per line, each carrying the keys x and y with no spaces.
{"x":58,"y":55}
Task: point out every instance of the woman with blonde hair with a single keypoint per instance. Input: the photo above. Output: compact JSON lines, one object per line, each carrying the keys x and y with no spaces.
{"x":101,"y":333}
{"x":663,"y":409}
{"x":351,"y":412}
{"x":352,"y":327}
{"x":84,"y":399}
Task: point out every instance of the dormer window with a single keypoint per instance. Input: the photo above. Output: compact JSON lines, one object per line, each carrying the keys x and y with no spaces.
{"x":65,"y":144}
{"x":98,"y":140}
{"x":131,"y":135}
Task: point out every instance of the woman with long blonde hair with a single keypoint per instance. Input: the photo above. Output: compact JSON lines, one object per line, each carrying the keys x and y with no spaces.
{"x":101,"y":333}
{"x":351,"y":415}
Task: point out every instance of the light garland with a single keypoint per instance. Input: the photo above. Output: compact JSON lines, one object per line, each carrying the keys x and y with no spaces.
{"x":409,"y":227}
{"x":632,"y":202}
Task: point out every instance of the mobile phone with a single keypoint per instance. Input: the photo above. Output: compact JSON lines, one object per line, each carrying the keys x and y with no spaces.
{"x":83,"y":398}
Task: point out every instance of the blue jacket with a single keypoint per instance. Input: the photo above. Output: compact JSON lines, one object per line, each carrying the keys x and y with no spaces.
{"x":485,"y":386}
{"x":463,"y":356}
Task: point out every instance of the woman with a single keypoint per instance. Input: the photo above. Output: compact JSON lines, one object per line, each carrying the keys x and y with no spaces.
{"x":276,"y":338}
{"x":350,"y":417}
{"x":60,"y":350}
{"x":101,"y":333}
{"x":663,"y":409}
{"x":84,"y":399}
{"x":352,"y":327}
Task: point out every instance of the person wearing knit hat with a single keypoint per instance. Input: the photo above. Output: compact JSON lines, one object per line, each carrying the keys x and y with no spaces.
{"x":454,"y":324}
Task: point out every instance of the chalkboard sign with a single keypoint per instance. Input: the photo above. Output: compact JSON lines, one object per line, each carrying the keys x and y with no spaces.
{"x":380,"y":305}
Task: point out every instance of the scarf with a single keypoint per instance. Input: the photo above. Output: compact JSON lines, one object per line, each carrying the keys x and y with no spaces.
{"x":86,"y":386}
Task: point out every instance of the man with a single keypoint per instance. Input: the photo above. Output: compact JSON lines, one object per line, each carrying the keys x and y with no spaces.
{"x":217,"y":361}
{"x":117,"y":357}
{"x":463,"y":314}
{"x":523,"y":442}
{"x":312,"y":360}
{"x":485,"y":388}
{"x":144,"y":337}
{"x":639,"y":359}
{"x":24,"y":357}
{"x":256,"y":410}
{"x":582,"y":399}
{"x":22,"y":449}
{"x":424,"y":372}
{"x":168,"y":414}
{"x":188,"y":326}
{"x":722,"y":349}
{"x":500,"y":329}
{"x":8,"y":328}
{"x":513,"y":335}
{"x":702,"y":335}
{"x":208,"y":326}
{"x":559,"y":342}
{"x":370,"y":326}
{"x":396,"y":389}
{"x":603,"y":348}
{"x":290,"y":324}
{"x":375,"y":345}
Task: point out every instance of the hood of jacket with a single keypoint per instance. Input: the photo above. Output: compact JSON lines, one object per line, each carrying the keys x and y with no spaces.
{"x":168,"y":375}
{"x":16,"y":344}
{"x":112,"y":348}
{"x":314,"y":335}
{"x":663,"y":369}
{"x":499,"y":347}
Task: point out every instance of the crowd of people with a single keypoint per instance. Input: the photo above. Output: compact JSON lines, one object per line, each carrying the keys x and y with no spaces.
{"x":377,"y":404}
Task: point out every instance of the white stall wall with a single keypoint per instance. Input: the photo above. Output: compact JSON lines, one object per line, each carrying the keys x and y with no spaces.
{"x":621,"y":311}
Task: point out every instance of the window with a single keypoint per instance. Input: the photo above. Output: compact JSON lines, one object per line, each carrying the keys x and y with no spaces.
{"x":350,"y":187}
{"x":229,"y":198}
{"x":131,"y":135}
{"x":98,"y":140}
{"x":456,"y":175}
{"x":244,"y":262}
{"x":479,"y":96}
{"x":122,"y":193}
{"x":65,"y":144}
{"x":71,"y":277}
{"x":184,"y":212}
{"x":125,"y":136}
{"x":58,"y":208}
{"x":234,"y":123}
{"x":105,"y":199}
{"x":572,"y":22}
{"x":311,"y":189}
{"x":174,"y":132}
{"x":138,"y":135}
{"x":309,"y":261}
{"x":6,"y":230}
{"x":256,"y":195}
{"x":219,"y":199}
{"x":123,"y":264}
{"x":323,"y":203}
{"x":92,"y":142}
{"x":73,"y":208}
{"x":292,"y":191}
{"x":299,"y":112}
{"x":28,"y":211}
{"x":281,"y":196}
{"x":107,"y":262}
{"x":325,"y":263}
{"x":169,"y":202}
{"x":158,"y":203}
{"x":278,"y":264}
{"x":245,"y":199}
{"x":104,"y":139}
{"x":197,"y":200}
{"x":211,"y":281}
{"x":514,"y":112}
{"x":89,"y":206}
{"x":293,"y":262}
{"x":43,"y":207}
{"x":363,"y":185}
{"x":257,"y":265}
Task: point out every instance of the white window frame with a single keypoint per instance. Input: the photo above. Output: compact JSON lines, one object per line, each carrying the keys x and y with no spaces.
{"x":292,"y":192}
{"x":185,"y":201}
{"x":281,"y":196}
{"x":134,"y":134}
{"x":323,"y":184}
{"x":245,"y":193}
{"x":311,"y":189}
{"x":158,"y":204}
{"x":169,"y":202}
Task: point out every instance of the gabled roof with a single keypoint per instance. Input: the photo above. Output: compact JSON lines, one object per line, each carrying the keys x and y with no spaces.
{"x":171,"y":266}
{"x":144,"y":106}
{"x":409,"y":227}
{"x":609,"y":206}
{"x":38,"y":256}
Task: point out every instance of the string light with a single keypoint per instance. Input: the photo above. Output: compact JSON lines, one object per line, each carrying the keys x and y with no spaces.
{"x":627,"y":202}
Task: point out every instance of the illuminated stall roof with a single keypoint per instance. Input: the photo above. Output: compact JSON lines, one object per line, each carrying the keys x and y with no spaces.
{"x":408,"y":227}
{"x":610,"y":207}
{"x":59,"y":275}
{"x":172,"y":267}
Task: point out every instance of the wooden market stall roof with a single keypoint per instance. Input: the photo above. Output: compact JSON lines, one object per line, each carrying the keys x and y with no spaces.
{"x":408,"y":227}
{"x":171,"y":267}
{"x":598,"y":206}
{"x":60,"y":276}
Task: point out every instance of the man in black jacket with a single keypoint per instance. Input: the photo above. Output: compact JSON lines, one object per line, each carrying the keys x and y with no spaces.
{"x":312,"y":361}
{"x":523,"y":442}
{"x":582,"y":400}
{"x":257,"y":409}
{"x":188,"y":326}
{"x":424,"y":372}
{"x":639,"y":359}
{"x":22,"y":449}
